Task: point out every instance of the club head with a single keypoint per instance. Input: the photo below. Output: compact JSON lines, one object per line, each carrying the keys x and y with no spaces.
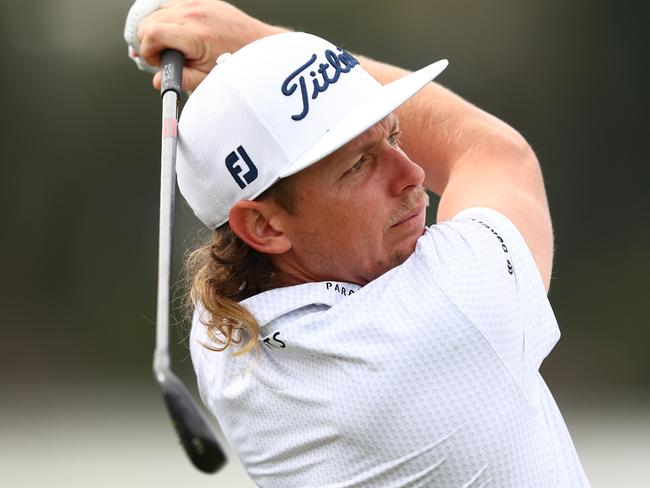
{"x":193,"y":429}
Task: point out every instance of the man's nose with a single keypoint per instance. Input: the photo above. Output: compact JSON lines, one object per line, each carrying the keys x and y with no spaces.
{"x":404,"y":173}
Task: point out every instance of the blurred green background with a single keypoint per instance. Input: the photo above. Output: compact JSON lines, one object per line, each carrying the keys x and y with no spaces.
{"x":79,"y":184}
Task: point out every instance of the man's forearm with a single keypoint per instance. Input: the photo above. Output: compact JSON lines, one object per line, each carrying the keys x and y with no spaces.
{"x":439,"y":128}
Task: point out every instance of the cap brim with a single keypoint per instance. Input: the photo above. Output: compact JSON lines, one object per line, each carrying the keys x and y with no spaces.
{"x":366,"y":114}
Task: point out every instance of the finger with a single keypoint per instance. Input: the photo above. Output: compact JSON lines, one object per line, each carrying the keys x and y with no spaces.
{"x":161,"y":16}
{"x":177,"y":12}
{"x":191,"y":79}
{"x":171,"y":3}
{"x":158,"y":37}
{"x":180,"y":4}
{"x":170,"y":14}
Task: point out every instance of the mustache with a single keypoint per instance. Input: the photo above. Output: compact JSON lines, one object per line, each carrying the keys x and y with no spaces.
{"x":413,"y":200}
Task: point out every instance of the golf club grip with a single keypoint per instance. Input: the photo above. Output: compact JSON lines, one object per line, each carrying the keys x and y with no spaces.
{"x":172,"y":71}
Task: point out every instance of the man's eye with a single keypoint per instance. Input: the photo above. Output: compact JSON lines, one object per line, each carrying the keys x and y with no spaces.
{"x":393,"y":139}
{"x":357,"y":166}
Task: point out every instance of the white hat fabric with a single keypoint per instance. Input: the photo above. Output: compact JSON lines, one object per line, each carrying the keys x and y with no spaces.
{"x":271,"y":109}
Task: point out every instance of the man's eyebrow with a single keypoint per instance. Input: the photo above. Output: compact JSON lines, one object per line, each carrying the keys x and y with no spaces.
{"x":370,"y":144}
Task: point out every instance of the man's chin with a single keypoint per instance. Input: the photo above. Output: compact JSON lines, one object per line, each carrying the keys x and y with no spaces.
{"x":405,"y":252}
{"x":396,"y":258}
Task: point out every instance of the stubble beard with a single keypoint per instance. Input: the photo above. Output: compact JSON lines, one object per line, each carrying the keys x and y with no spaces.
{"x":414,"y":199}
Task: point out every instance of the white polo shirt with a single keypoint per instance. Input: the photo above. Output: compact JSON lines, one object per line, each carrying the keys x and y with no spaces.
{"x":425,"y":377}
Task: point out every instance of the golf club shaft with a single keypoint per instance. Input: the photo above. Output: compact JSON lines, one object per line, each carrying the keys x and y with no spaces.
{"x":167,"y":190}
{"x":192,"y":427}
{"x":171,"y":73}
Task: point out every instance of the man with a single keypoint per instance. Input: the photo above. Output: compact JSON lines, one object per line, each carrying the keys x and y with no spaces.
{"x":381,"y":353}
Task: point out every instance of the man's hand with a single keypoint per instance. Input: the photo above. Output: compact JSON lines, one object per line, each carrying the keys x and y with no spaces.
{"x":201,"y":30}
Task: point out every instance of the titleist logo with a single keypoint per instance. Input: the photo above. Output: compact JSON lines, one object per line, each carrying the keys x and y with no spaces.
{"x":326,"y":75}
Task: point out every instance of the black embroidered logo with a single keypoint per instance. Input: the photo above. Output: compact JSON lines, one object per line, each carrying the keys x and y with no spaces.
{"x":510,"y":266}
{"x":274,"y":342}
{"x":242,"y":169}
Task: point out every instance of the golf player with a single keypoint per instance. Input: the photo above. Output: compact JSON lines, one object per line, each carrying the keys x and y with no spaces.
{"x":338,"y":341}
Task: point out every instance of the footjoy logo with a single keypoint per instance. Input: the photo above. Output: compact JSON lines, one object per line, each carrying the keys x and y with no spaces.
{"x":244,"y":172}
{"x":329,"y":73}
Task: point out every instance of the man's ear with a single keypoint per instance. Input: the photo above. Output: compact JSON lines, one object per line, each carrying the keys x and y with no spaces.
{"x":259,"y":224}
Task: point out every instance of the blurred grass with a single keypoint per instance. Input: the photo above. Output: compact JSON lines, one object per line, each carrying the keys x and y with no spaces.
{"x":112,"y":435}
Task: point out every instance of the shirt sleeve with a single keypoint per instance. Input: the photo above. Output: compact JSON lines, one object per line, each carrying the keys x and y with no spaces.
{"x":482,"y":263}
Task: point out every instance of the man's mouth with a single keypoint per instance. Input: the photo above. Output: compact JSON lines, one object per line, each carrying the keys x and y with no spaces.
{"x":410,"y":216}
{"x":416,"y":204}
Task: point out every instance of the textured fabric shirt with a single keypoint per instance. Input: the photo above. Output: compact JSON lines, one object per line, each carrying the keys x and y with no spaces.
{"x":425,"y":377}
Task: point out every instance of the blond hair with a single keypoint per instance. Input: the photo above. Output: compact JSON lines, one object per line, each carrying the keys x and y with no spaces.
{"x":224,"y":271}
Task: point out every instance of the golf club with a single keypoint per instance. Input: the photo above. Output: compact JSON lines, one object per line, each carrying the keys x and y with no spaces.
{"x":194,"y":431}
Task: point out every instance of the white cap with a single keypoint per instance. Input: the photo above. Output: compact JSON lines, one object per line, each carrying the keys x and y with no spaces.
{"x":272,"y":109}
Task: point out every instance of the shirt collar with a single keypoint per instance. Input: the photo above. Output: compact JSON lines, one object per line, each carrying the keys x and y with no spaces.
{"x":275,"y":303}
